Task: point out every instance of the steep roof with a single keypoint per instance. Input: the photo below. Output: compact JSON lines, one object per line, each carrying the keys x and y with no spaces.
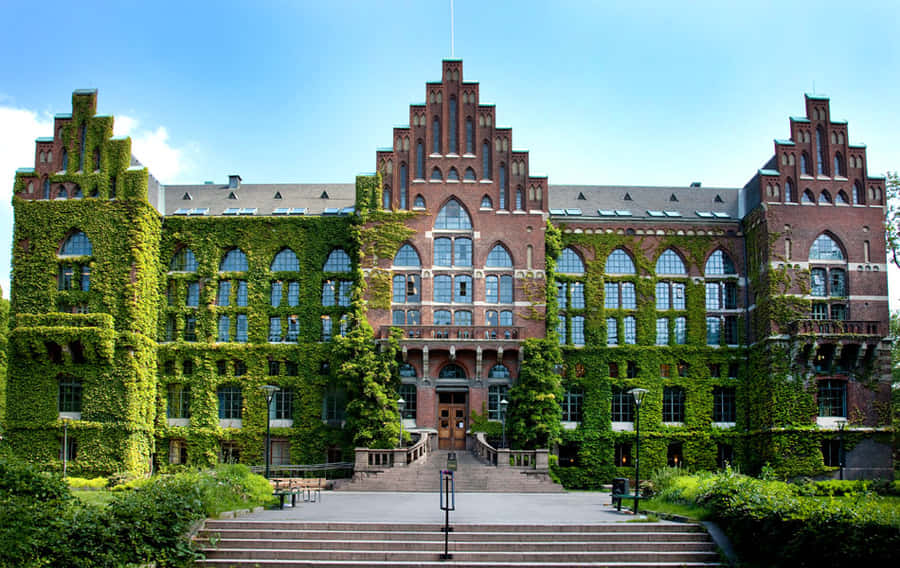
{"x":637,"y":202}
{"x":261,"y":196}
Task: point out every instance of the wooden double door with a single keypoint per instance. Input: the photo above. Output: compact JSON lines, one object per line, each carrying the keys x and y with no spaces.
{"x":452,"y":420}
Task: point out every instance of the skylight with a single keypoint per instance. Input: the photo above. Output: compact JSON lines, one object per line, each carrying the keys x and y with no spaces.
{"x":704,"y":214}
{"x":232,"y":211}
{"x":623,"y":213}
{"x":248,"y":211}
{"x":573,"y":211}
{"x":182,"y":211}
{"x":199,"y":211}
{"x":281,"y":211}
{"x":672,"y":213}
{"x":298,"y":211}
{"x":557,"y":211}
{"x":653,"y":213}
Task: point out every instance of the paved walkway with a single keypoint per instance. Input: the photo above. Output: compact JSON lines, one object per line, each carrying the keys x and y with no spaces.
{"x":499,"y":508}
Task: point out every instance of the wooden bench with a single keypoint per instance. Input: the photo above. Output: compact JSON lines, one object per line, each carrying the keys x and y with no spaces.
{"x":617,"y":499}
{"x":309,"y":488}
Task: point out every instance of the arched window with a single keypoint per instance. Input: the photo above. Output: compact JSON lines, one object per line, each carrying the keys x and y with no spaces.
{"x":824,"y":197}
{"x":519,"y":201}
{"x":76,"y":192}
{"x":486,"y":160}
{"x":419,"y":202}
{"x":436,"y":174}
{"x":234,"y":261}
{"x":618,"y":262}
{"x":788,"y":191}
{"x":46,"y":188}
{"x":453,"y":127}
{"x":386,"y":198}
{"x":498,"y":372}
{"x":453,"y":174}
{"x":822,"y":165}
{"x":407,"y":371}
{"x":183,"y":261}
{"x":61,"y":192}
{"x":503,"y":187}
{"x":76,"y":245}
{"x":420,"y":160}
{"x":839,"y":165}
{"x":452,"y":371}
{"x":498,"y":258}
{"x":407,"y":256}
{"x":841,"y":198}
{"x":570,"y":262}
{"x":442,"y":317}
{"x":807,"y":197}
{"x":825,"y":248}
{"x":804,"y":163}
{"x":486,"y":202}
{"x":403,"y":185}
{"x":436,"y":136}
{"x":470,"y":136}
{"x":469,"y":175}
{"x":285,"y":261}
{"x":857,"y":193}
{"x":719,"y":264}
{"x":670,"y":263}
{"x":65,"y":160}
{"x":338,"y":261}
{"x":453,"y":216}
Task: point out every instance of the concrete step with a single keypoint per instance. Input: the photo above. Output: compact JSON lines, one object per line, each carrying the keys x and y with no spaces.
{"x":268,"y":544}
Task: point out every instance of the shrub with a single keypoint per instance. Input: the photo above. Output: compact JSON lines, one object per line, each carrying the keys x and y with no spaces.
{"x":84,"y":483}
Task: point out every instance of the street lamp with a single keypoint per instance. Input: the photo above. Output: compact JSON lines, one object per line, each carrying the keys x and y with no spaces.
{"x":503,"y":406}
{"x":638,"y":395}
{"x":65,"y":445}
{"x":401,"y":406}
{"x":841,"y":424}
{"x":269,"y":391}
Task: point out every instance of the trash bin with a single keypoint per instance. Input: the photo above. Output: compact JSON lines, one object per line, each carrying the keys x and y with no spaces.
{"x":620,"y":486}
{"x":451,"y":461}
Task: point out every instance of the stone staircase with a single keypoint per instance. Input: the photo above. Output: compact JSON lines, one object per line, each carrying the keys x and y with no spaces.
{"x":471,"y":476}
{"x":289,"y":544}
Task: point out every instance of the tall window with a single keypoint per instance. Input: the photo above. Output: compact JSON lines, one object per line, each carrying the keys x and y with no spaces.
{"x":486,"y":160}
{"x":436,"y":136}
{"x":622,"y":405}
{"x":453,"y":127}
{"x":724,"y":406}
{"x":496,"y":393}
{"x":409,"y":394}
{"x":420,"y":160}
{"x":832,"y":398}
{"x":69,"y":394}
{"x":282,"y":407}
{"x":178,"y":401}
{"x":470,"y":136}
{"x":673,"y":404}
{"x":572,"y":402}
{"x":504,"y":188}
{"x":230,"y":402}
{"x":404,"y":187}
{"x":499,"y":289}
{"x":822,"y":163}
{"x":804,"y":164}
{"x":386,"y":198}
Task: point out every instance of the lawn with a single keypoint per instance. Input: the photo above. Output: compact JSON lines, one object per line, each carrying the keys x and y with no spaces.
{"x":93,"y":497}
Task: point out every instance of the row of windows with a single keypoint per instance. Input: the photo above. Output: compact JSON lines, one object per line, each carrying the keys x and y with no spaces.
{"x":452,"y":289}
{"x":492,"y":318}
{"x":669,"y":262}
{"x":235,"y":260}
{"x":234,"y":328}
{"x":234,"y":292}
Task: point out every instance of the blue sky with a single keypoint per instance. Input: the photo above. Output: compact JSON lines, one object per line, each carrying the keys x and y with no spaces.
{"x":655,"y":93}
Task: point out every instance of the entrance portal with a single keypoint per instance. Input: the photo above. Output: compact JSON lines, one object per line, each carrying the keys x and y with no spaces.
{"x":452,"y":422}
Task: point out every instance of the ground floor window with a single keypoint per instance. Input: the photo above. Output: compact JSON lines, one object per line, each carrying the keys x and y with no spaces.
{"x":623,"y":455}
{"x":724,"y":455}
{"x":832,"y":398}
{"x":571,"y":405}
{"x":229,"y":452}
{"x":675,"y":455}
{"x":178,"y":452}
{"x":496,"y":393}
{"x":68,"y":448}
{"x":568,"y":455}
{"x":831,"y":453}
{"x":280,"y":453}
{"x":408,"y":394}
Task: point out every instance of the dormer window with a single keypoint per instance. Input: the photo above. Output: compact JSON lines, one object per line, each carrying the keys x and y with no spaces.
{"x":186,"y":196}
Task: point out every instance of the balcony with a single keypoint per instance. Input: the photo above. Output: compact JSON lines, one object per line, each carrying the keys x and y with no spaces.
{"x":455,"y":333}
{"x":838,"y":327}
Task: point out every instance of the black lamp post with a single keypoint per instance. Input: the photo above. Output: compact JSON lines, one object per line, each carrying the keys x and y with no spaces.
{"x":269,"y":391}
{"x":841,"y":424}
{"x":401,"y":406}
{"x":638,"y":395}
{"x":504,"y":404}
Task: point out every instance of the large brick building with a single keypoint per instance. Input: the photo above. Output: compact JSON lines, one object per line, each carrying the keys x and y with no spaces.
{"x":146,"y":315}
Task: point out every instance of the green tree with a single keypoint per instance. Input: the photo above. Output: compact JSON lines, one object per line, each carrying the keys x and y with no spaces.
{"x":370,"y":377}
{"x":892,"y":217}
{"x":533,"y":419}
{"x":4,"y":329}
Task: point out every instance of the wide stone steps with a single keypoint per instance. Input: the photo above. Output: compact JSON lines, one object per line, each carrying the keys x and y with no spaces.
{"x":471,"y":476}
{"x":267,"y":544}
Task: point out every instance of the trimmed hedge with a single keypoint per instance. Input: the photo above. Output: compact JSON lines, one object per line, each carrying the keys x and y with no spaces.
{"x":771,"y":524}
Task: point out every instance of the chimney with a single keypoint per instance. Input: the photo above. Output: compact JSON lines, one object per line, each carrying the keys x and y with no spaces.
{"x":234,"y":181}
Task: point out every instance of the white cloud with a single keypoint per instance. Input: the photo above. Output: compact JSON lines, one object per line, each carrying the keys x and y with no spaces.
{"x":19,"y":127}
{"x":152,"y":148}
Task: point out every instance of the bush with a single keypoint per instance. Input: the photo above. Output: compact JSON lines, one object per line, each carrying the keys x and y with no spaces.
{"x":772,"y":524}
{"x":42,"y":525}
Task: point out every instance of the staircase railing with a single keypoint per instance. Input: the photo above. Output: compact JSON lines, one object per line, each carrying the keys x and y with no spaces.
{"x":370,"y":459}
{"x":537,"y":460}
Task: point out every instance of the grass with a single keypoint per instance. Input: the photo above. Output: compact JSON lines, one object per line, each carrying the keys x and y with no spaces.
{"x":97,"y":498}
{"x":658,"y":506}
